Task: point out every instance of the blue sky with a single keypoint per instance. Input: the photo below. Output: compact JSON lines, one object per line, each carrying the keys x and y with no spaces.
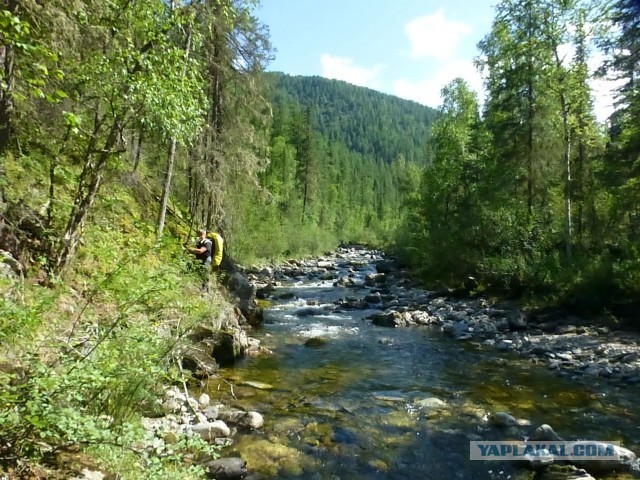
{"x":408,"y":48}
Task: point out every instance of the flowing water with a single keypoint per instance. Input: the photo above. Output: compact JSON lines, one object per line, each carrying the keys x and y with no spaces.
{"x":346,"y":407}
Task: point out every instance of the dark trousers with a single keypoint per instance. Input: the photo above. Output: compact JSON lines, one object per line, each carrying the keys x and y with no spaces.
{"x":205,"y":272}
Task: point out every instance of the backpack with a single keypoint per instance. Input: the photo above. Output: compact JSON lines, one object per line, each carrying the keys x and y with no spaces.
{"x":217,"y":247}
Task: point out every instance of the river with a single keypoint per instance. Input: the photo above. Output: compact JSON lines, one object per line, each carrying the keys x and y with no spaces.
{"x":345,"y":399}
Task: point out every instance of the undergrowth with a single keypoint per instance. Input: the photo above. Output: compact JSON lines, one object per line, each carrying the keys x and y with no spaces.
{"x":82,"y":360}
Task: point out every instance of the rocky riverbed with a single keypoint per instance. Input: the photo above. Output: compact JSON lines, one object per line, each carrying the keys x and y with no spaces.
{"x":558,"y":340}
{"x":376,"y":292}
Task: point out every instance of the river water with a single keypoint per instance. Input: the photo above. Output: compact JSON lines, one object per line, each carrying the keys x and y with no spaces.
{"x":368,"y":402}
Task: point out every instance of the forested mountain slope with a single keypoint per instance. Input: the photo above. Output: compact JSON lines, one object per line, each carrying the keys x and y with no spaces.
{"x":366,"y":121}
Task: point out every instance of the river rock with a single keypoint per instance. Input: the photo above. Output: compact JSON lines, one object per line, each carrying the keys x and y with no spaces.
{"x":211,"y":412}
{"x":204,"y":400}
{"x":564,"y":472}
{"x":626,"y":460}
{"x":630,"y":357}
{"x":545,"y":433}
{"x":309,"y":311}
{"x":211,"y":430}
{"x":264,"y":291}
{"x":541,"y":459}
{"x":503,"y":420}
{"x":315,"y":342}
{"x":347,"y":281}
{"x":231,"y":468}
{"x":328,"y":276}
{"x":391,"y":319}
{"x":197,"y":358}
{"x":256,"y":384}
{"x":373,"y":298}
{"x":286,"y":296}
{"x":14,"y":266}
{"x":517,"y":321}
{"x":325,"y":264}
{"x":384,"y":266}
{"x":251,"y":420}
{"x":229,"y":345}
{"x":455,"y":329}
{"x":430,"y":404}
{"x":245,"y":295}
{"x":87,"y":474}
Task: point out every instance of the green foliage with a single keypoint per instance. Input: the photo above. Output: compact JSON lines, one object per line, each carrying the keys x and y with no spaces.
{"x":39,"y":65}
{"x":88,"y":357}
{"x":526,"y":200}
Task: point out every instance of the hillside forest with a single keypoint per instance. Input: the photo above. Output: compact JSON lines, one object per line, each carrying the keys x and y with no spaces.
{"x":126,"y":125}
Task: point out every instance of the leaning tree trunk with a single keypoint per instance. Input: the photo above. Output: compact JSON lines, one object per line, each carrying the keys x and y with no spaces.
{"x":88,"y":185}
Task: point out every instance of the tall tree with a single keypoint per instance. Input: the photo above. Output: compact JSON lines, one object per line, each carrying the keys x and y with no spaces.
{"x":127,"y":68}
{"x":624,"y":150}
{"x":187,"y":31}
{"x":451,"y":184}
{"x":11,"y":25}
{"x":233,"y":143}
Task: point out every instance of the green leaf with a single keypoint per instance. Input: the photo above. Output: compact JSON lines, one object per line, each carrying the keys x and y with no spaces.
{"x":42,"y":68}
{"x":35,"y":421}
{"x":37,"y":92}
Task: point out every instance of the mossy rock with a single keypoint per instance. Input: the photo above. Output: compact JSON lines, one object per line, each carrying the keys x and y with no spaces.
{"x":316,"y":342}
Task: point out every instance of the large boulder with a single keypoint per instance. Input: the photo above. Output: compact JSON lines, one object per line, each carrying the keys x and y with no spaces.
{"x":229,"y":345}
{"x":622,"y":459}
{"x":385,"y":266}
{"x":244,"y":293}
{"x":390,"y":319}
{"x":545,"y":433}
{"x":197,"y":358}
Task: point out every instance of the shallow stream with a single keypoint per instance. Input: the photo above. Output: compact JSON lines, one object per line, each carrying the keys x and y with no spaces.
{"x":348,"y":407}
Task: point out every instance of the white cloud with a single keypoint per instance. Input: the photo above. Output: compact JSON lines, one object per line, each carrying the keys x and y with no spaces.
{"x":341,"y":68}
{"x":427,"y":91}
{"x":434,"y":36}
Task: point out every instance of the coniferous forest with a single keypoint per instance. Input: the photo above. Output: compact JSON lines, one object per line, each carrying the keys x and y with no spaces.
{"x":127,"y":125}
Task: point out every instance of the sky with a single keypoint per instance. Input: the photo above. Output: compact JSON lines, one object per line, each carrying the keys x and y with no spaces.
{"x":407,"y":48}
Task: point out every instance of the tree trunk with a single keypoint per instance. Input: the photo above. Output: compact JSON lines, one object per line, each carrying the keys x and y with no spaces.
{"x":566,"y":137}
{"x":7,"y":60}
{"x":88,"y":185}
{"x":138,"y":151}
{"x":166,"y":188}
{"x":567,"y":190}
